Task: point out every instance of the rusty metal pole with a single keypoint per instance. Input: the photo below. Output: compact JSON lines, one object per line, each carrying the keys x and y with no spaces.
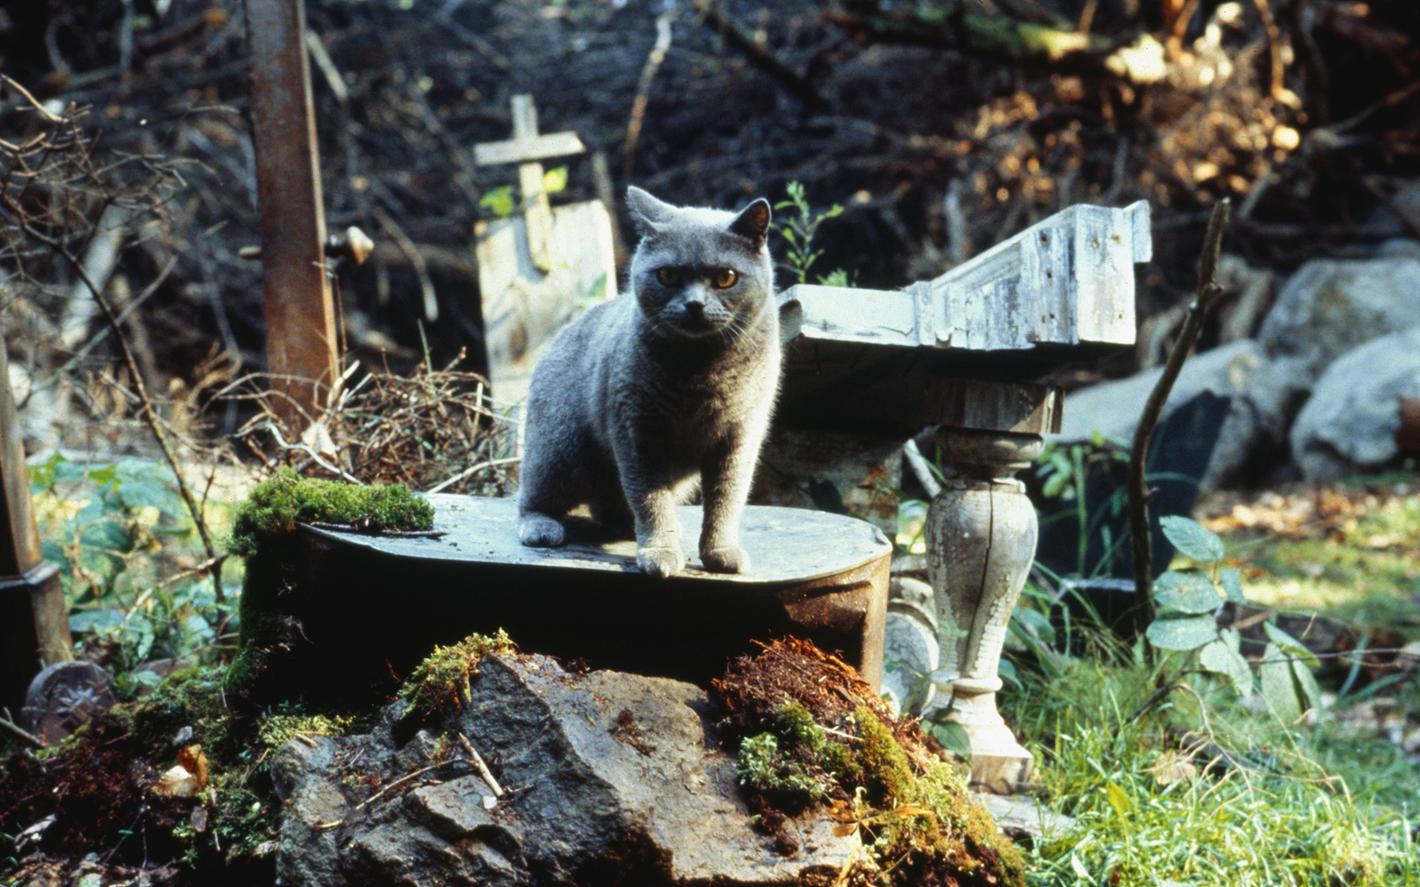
{"x":301,"y":345}
{"x":34,"y":627}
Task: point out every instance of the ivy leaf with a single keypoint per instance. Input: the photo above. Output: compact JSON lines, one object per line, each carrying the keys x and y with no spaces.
{"x":499,"y":201}
{"x":554,"y":180}
{"x":1185,"y":633}
{"x":1279,"y":686}
{"x":147,"y":484}
{"x":1192,"y":539}
{"x":1055,"y":485}
{"x":1191,"y":593}
{"x":1308,"y":691}
{"x":1221,"y":658}
{"x":1231,"y":580}
{"x":1293,"y":647}
{"x":953,"y":738}
{"x":96,"y":621}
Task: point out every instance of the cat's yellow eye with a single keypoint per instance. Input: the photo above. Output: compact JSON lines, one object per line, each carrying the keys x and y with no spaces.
{"x":724,"y":278}
{"x":668,"y":276}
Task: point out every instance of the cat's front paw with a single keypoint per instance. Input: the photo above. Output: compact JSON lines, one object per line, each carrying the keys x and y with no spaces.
{"x":540,"y":531}
{"x":725,"y":559}
{"x":660,"y":562}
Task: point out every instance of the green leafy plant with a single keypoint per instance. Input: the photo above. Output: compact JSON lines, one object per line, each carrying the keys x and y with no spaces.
{"x":1187,"y":602}
{"x":798,"y":224}
{"x":124,"y":544}
{"x":502,"y":201}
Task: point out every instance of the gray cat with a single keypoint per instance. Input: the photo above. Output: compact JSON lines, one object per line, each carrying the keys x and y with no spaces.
{"x":666,"y":385}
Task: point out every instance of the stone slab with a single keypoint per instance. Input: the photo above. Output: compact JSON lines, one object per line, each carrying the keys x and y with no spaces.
{"x":786,"y":545}
{"x":358,"y":612}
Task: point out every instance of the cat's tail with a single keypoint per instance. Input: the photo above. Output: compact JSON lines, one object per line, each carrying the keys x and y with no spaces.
{"x":537,"y":530}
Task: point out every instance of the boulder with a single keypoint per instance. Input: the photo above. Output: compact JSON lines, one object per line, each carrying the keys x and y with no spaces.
{"x":1353,"y":418}
{"x":1255,"y":427}
{"x":1399,"y":248}
{"x":1330,"y":306}
{"x":605,"y":778}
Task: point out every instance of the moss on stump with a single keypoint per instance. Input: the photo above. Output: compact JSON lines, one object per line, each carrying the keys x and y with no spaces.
{"x":262,"y":532}
{"x":279,"y":503}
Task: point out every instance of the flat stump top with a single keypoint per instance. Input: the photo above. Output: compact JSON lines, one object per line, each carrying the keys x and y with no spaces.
{"x":785,"y":545}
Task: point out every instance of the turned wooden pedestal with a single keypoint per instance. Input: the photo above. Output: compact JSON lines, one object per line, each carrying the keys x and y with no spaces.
{"x":981,"y":536}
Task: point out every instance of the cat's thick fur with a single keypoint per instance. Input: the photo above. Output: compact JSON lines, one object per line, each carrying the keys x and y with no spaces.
{"x":665,"y":386}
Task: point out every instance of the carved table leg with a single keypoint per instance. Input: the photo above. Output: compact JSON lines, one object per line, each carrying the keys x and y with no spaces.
{"x":981,"y":537}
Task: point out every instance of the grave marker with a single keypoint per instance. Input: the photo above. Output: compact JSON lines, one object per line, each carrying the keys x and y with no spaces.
{"x":538,"y":266}
{"x":865,"y":369}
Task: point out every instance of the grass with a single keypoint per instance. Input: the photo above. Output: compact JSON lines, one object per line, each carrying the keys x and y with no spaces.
{"x":1308,"y":805}
{"x":1365,"y":571}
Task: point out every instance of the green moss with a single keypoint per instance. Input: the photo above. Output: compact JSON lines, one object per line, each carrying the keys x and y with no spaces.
{"x":886,"y":771}
{"x":442,"y":679}
{"x":784,"y":779}
{"x":279,"y":503}
{"x":191,"y":697}
{"x":925,"y":820}
{"x":278,"y":729}
{"x":261,"y":631}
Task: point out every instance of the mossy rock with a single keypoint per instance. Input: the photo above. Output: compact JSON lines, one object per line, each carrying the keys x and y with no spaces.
{"x":441,"y":681}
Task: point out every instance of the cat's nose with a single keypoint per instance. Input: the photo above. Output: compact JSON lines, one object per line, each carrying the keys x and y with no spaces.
{"x":695,"y":307}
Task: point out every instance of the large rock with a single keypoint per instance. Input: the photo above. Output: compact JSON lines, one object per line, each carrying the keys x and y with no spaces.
{"x":1256,"y":425}
{"x":1353,"y":417}
{"x":1330,"y":306}
{"x":609,"y":778}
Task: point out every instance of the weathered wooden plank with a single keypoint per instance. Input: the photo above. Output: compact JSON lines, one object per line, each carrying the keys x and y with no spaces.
{"x":879,"y":391}
{"x":528,"y":149}
{"x":1067,"y":281}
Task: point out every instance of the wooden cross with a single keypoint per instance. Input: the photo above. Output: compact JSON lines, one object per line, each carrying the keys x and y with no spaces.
{"x":962,"y":352}
{"x":526,"y":148}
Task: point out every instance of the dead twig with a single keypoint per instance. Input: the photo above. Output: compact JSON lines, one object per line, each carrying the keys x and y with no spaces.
{"x":483,"y":770}
{"x":406,"y":779}
{"x":19,"y":732}
{"x":643,"y":92}
{"x":358,"y":528}
{"x":472,"y":470}
{"x":1207,"y":294}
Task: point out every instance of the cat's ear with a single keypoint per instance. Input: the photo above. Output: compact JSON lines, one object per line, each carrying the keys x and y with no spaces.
{"x":753,"y":222}
{"x":647,"y":212}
